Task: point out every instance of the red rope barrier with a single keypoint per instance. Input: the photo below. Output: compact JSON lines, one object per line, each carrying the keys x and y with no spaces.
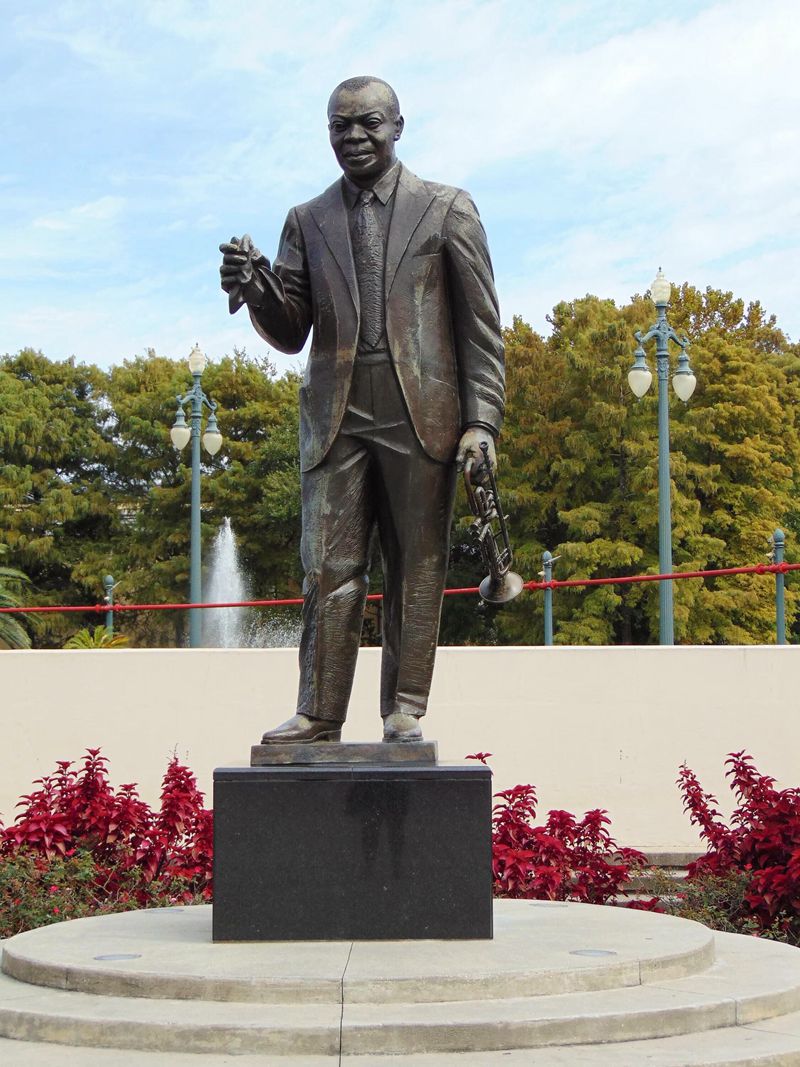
{"x":632,"y":579}
{"x":571,"y":583}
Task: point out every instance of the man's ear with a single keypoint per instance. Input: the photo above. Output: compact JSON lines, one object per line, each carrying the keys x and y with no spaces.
{"x":398,"y":127}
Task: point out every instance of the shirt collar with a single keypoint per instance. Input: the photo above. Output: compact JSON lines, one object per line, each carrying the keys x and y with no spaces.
{"x":384,"y":188}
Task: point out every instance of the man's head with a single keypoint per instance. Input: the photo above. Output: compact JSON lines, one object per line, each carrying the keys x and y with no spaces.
{"x":364,"y":121}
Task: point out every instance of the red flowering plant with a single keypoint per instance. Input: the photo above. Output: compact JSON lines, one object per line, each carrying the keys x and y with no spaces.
{"x":564,"y":858}
{"x":80,"y":847}
{"x":759,"y":847}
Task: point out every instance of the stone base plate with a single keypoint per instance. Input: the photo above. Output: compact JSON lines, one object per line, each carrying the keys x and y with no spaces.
{"x":540,"y":948}
{"x":376,"y":752}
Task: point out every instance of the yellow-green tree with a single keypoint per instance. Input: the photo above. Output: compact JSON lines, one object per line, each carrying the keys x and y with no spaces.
{"x":581,"y":468}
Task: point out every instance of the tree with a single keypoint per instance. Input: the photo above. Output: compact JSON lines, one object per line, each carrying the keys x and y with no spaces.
{"x":581,"y":471}
{"x":739,"y":448}
{"x":258,"y":483}
{"x":90,"y":482}
{"x":12,"y":632}
{"x":54,"y":460}
{"x":151,"y":485}
{"x":253,"y":480}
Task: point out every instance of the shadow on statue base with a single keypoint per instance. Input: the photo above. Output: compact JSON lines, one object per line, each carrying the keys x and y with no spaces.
{"x":352,"y":852}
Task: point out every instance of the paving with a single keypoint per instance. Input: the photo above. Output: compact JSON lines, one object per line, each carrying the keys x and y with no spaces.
{"x":559,"y":984}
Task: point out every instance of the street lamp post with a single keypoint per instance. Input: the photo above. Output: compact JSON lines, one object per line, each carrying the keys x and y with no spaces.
{"x":777,"y":546}
{"x":212,"y":441}
{"x":548,"y":559}
{"x":547,"y":574}
{"x":683,"y":382}
{"x":109,"y":585}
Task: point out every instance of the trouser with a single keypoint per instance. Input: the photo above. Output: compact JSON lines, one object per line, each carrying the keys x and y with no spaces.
{"x":376,"y":474}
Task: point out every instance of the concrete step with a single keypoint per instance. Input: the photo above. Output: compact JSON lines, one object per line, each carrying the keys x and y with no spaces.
{"x":751,"y":980}
{"x":31,"y":1054}
{"x":31,"y":1013}
{"x":773,"y":1044}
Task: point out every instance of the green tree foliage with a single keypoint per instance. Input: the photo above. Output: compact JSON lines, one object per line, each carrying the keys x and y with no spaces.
{"x":151,"y":485}
{"x":254,"y":480}
{"x":258,"y":484}
{"x":90,"y":483}
{"x":12,"y":582}
{"x":740,"y":446}
{"x":581,"y":468}
{"x":54,"y":463}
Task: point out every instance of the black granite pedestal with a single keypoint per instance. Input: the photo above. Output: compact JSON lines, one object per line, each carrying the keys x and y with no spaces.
{"x":352,"y":852}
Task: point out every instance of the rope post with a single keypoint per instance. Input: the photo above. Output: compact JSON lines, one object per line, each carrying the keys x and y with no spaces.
{"x":547,"y":563}
{"x":108,"y":585}
{"x":778,"y":544}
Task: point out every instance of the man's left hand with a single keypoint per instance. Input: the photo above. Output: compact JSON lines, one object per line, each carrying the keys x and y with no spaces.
{"x":470,"y":446}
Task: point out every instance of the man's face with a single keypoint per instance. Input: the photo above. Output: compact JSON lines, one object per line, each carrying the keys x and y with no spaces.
{"x":363,"y":129}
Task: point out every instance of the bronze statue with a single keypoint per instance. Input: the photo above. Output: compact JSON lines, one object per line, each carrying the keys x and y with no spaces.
{"x":404,"y":382}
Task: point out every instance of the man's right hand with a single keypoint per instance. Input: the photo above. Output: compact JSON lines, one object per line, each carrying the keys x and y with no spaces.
{"x":238,"y":276}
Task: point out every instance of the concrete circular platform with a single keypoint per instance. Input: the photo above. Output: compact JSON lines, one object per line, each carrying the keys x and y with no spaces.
{"x":538,"y":948}
{"x":559,"y":984}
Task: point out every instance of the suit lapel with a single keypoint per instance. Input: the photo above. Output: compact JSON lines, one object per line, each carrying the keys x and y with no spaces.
{"x":412,"y":200}
{"x":330,"y":215}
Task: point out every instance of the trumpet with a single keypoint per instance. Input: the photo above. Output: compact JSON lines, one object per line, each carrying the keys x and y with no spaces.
{"x":501,"y":584}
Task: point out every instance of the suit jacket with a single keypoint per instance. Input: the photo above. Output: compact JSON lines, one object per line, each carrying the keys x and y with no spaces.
{"x":442,"y":317}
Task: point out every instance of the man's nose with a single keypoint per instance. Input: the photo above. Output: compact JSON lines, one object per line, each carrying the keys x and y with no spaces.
{"x":355,"y":133}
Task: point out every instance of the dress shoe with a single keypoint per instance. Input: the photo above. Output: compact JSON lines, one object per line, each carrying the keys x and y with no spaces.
{"x":401,"y":727}
{"x":300,"y":729}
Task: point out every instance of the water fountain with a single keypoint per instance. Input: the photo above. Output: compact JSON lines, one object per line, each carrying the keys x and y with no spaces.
{"x":224,"y":627}
{"x":240,"y":627}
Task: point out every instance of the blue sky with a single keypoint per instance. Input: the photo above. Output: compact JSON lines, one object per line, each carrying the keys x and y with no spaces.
{"x":598,"y":139}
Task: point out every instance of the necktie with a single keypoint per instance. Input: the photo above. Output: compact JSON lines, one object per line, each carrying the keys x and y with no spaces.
{"x":369,"y":256}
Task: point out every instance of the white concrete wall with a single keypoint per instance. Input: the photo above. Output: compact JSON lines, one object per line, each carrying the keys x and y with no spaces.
{"x":590,"y":727}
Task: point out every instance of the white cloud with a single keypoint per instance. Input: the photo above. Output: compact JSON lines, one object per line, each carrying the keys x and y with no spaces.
{"x":76,"y":218}
{"x":599,"y":138}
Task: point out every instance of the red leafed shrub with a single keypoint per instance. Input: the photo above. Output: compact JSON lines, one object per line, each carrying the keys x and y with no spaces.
{"x":761,"y":841}
{"x":105,"y":848}
{"x":563,"y":859}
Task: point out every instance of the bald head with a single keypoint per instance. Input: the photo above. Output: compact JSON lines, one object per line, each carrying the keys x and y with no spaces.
{"x":364,"y":122}
{"x":373,"y":85}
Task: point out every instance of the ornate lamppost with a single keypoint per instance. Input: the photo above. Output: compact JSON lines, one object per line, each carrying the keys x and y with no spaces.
{"x":212,"y":442}
{"x":683,"y":382}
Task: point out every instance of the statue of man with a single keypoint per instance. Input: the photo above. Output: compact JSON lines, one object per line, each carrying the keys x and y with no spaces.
{"x":404,"y":380}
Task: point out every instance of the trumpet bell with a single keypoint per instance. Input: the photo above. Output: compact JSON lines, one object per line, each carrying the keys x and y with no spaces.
{"x":509,"y":586}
